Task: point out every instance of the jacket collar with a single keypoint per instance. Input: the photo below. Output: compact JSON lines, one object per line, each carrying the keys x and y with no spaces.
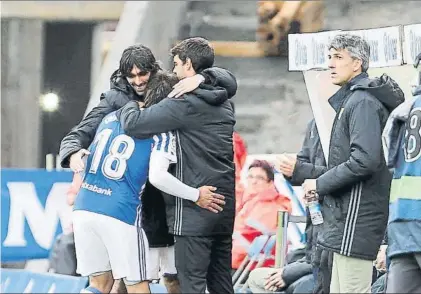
{"x":336,"y":100}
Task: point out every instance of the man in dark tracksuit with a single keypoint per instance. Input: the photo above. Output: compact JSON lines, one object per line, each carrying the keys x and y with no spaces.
{"x":203,"y":122}
{"x":311,"y":164}
{"x":355,"y":188}
{"x":122,"y":91}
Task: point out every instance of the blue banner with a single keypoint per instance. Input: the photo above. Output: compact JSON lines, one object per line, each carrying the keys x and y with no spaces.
{"x":34,"y":211}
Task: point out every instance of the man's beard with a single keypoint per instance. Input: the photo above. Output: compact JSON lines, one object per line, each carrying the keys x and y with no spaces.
{"x":137,"y":90}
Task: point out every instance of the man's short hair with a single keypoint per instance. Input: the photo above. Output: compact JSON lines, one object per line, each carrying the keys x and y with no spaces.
{"x":357,"y":47}
{"x":198,"y":50}
{"x":159,"y":86}
{"x":138,"y":55}
{"x":263,"y":164}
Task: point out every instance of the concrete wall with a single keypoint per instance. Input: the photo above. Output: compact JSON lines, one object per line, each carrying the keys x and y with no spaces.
{"x":21,"y":80}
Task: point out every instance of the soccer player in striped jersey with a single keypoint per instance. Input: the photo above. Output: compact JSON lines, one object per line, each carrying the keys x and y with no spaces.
{"x":110,"y":242}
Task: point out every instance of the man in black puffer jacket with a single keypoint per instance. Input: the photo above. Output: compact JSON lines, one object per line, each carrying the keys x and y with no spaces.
{"x":310,"y":164}
{"x":203,"y":122}
{"x":355,"y":188}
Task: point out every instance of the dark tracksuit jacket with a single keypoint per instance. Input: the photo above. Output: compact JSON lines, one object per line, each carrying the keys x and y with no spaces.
{"x":203,"y":122}
{"x":356,"y":185}
{"x":154,"y":220}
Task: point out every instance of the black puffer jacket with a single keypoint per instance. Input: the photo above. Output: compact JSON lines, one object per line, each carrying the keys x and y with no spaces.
{"x":203,"y":122}
{"x":357,"y":184}
{"x":82,"y":135}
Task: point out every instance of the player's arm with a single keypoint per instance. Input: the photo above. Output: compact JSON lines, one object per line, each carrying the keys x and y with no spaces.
{"x":167,"y":115}
{"x":164,"y":181}
{"x":163,"y":154}
{"x":81,"y":136}
{"x":213,"y":77}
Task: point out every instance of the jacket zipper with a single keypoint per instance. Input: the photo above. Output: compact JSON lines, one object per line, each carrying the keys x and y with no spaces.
{"x":335,"y":122}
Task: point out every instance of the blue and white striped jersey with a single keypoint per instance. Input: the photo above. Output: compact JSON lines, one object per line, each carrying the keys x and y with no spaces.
{"x":117,"y":170}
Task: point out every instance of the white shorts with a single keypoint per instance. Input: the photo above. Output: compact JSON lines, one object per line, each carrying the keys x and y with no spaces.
{"x":161,"y":260}
{"x":106,"y":244}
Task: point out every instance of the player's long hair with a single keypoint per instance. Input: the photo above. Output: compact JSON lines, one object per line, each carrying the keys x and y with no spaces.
{"x":159,"y":86}
{"x":142,"y":57}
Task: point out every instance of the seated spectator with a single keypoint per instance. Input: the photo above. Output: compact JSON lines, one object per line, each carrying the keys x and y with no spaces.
{"x":259,"y":203}
{"x":310,"y":274}
{"x":294,"y":277}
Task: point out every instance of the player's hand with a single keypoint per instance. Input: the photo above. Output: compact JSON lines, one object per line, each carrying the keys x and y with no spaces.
{"x":186,"y":85}
{"x":210,"y":200}
{"x":76,"y":160}
{"x":285,"y":163}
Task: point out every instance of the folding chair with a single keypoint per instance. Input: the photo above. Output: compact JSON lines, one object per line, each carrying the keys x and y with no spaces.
{"x":267,"y":250}
{"x":253,"y":255}
{"x":262,"y":229}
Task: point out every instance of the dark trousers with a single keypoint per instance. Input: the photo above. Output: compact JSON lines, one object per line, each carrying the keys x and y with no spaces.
{"x":204,"y":261}
{"x":404,"y":274}
{"x":323,"y":270}
{"x":304,"y":284}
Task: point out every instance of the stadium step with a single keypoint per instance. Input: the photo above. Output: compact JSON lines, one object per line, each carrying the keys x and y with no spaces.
{"x":223,"y":21}
{"x":237,"y":49}
{"x":269,"y":98}
{"x":269,"y":101}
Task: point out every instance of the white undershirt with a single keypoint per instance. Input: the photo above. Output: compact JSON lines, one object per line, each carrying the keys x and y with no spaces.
{"x":164,"y":181}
